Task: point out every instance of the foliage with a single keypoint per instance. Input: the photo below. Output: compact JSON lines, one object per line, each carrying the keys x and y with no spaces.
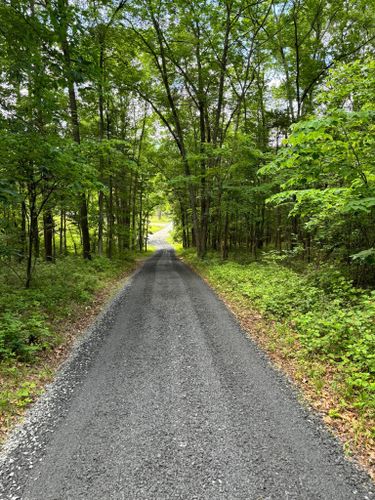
{"x":30,"y":318}
{"x":327,"y":169}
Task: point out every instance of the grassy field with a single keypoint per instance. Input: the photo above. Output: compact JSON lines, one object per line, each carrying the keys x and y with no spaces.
{"x":157,"y":223}
{"x":318,"y":328}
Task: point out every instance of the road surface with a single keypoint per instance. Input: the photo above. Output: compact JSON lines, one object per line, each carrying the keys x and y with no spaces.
{"x":166,"y":398}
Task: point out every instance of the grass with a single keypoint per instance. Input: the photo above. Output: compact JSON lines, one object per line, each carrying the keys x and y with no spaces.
{"x":163,"y":219}
{"x":317,"y":327}
{"x":154,"y":228}
{"x":38,"y":325}
{"x":157,"y":223}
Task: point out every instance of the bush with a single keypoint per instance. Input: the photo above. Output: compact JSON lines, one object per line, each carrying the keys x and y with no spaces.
{"x":22,"y":336}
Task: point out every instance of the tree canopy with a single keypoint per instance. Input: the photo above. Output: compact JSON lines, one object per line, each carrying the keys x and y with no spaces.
{"x":254,"y":119}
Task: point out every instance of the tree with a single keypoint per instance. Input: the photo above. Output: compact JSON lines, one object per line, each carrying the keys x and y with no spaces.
{"x":328,"y":165}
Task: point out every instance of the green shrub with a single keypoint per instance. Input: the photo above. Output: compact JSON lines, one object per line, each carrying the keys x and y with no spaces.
{"x":22,"y":336}
{"x":27,"y":317}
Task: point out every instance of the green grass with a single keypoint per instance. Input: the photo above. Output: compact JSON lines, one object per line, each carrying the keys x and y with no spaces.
{"x":176,"y":245}
{"x":164,"y":218}
{"x":154,"y":228}
{"x":317,"y":318}
{"x":157,"y":223}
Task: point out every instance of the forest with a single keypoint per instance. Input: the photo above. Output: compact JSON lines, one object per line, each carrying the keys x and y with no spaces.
{"x":250,"y":123}
{"x":254,"y":119}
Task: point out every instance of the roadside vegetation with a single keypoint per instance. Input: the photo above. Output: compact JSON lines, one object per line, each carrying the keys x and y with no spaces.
{"x":38,"y":325}
{"x":318,"y":328}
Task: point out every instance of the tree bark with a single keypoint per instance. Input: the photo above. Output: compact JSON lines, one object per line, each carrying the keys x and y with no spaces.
{"x":74,"y":123}
{"x":110,"y":220}
{"x":48,"y":235}
{"x":100,"y":222}
{"x":22,"y":250}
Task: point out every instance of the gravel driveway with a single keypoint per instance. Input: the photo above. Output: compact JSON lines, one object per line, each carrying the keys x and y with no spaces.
{"x":166,"y":398}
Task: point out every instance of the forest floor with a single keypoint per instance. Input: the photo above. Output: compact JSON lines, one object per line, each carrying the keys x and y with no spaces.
{"x":262,"y":297}
{"x":167,"y":398}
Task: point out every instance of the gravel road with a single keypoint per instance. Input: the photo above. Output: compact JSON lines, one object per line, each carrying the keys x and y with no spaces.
{"x":166,"y":398}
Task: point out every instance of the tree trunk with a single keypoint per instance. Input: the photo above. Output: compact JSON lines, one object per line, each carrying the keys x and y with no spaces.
{"x":140,"y":229}
{"x":48,"y":235}
{"x":23,"y":233}
{"x":100,"y":223}
{"x":110,"y":220}
{"x":62,"y":233}
{"x":101,"y":137}
{"x":224,"y":246}
{"x":75,"y":125}
{"x":134,"y":213}
{"x":33,"y":232}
